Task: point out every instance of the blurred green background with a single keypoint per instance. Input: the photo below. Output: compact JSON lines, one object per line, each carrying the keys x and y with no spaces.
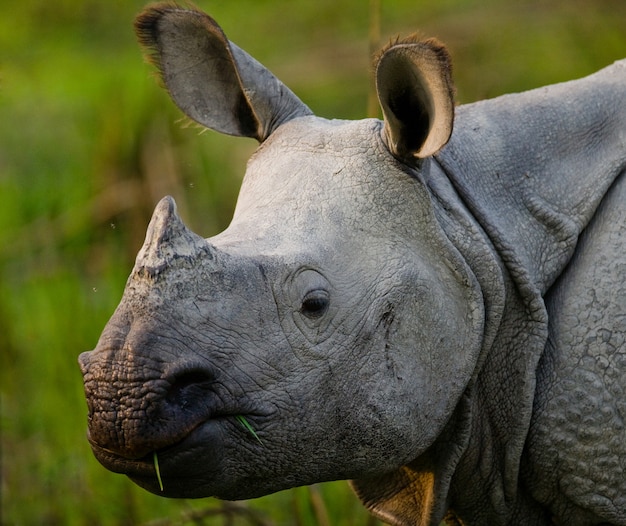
{"x":88,"y":145}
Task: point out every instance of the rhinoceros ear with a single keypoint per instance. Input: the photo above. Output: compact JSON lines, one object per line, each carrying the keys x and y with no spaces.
{"x":211,"y":80}
{"x":413,"y":80}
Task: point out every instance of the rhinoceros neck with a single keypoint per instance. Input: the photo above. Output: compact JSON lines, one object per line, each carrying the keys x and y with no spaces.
{"x":469,"y":238}
{"x":533,"y":168}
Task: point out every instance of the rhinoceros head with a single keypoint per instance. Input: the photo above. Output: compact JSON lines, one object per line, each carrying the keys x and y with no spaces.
{"x":308,"y":341}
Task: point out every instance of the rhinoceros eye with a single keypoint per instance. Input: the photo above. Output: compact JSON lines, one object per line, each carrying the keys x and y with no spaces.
{"x":315,"y":304}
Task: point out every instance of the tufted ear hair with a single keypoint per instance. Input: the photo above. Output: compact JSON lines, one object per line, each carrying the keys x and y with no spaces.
{"x":414,"y":85}
{"x":211,"y":80}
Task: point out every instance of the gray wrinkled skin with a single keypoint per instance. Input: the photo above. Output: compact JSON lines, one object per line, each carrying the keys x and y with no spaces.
{"x":438,"y":316}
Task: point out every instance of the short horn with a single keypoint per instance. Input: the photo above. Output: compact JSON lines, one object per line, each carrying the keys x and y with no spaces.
{"x":167,"y":241}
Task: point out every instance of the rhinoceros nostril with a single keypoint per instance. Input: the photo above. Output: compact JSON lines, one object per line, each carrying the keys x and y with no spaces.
{"x":187,"y":387}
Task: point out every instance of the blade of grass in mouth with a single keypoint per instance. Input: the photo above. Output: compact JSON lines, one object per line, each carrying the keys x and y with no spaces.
{"x":242,"y":420}
{"x":155,"y":458}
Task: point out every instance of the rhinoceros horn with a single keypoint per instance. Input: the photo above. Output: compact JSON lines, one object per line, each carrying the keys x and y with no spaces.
{"x":167,"y":241}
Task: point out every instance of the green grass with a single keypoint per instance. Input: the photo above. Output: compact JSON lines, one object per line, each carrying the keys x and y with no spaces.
{"x":89,"y":144}
{"x":246,"y":425}
{"x":157,"y":470}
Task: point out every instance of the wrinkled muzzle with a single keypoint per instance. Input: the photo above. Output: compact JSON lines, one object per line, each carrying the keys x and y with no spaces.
{"x":142,"y":393}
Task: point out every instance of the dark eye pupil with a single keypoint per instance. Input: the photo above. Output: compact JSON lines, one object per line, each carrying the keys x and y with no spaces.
{"x":315,"y":305}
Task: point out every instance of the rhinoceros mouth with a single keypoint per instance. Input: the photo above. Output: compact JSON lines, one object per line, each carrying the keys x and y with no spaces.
{"x":181,"y":465}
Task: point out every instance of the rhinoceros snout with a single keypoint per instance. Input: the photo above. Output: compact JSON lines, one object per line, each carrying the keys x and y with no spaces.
{"x":139,"y":396}
{"x":133,"y":410}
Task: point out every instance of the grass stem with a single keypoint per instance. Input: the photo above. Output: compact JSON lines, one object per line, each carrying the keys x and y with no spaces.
{"x":158,"y":471}
{"x":242,"y":420}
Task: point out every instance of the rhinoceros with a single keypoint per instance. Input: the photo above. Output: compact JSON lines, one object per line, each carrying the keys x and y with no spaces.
{"x":431,"y":305}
